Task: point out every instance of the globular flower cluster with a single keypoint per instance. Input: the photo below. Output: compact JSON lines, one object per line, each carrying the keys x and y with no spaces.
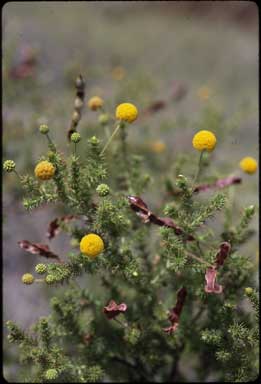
{"x":104,"y":118}
{"x":51,"y":374}
{"x":118,"y":73}
{"x":248,"y":165}
{"x":50,"y":279}
{"x":9,"y":165}
{"x":157,"y":146}
{"x":44,"y":129}
{"x":44,"y":170}
{"x":40,"y":268}
{"x":27,"y":278}
{"x":75,"y":137}
{"x":94,"y":141}
{"x":126,"y":112}
{"x":204,"y":93}
{"x":204,"y":140}
{"x":95,"y":103}
{"x":103,"y":190}
{"x":248,"y":291}
{"x":91,"y":245}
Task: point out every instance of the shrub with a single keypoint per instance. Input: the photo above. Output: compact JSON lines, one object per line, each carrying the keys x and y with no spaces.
{"x":146,"y":265}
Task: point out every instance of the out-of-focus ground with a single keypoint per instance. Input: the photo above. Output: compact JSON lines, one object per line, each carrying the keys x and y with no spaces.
{"x":127,"y":51}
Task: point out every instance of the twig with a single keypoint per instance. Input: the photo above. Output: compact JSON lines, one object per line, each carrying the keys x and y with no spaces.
{"x":78,"y":105}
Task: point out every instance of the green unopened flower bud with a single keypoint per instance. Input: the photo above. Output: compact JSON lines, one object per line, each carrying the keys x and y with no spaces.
{"x":248,"y":291}
{"x":44,"y":129}
{"x":104,"y":118}
{"x":49,"y":279}
{"x":103,"y":190}
{"x":250,"y":210}
{"x":94,"y":141}
{"x":9,"y":165}
{"x":40,"y":268}
{"x":51,"y":156}
{"x":74,"y":243}
{"x":146,"y":177}
{"x":75,"y":137}
{"x":27,"y":278}
{"x":51,"y":374}
{"x":135,"y":274}
{"x":181,"y":181}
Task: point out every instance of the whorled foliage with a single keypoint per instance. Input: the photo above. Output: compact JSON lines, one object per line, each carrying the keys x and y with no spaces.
{"x":146,"y":261}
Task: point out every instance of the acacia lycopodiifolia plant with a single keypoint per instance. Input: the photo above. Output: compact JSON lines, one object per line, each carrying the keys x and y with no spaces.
{"x":144,"y":262}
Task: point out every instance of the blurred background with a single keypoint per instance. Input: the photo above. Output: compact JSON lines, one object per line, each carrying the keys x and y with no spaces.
{"x":186,"y":65}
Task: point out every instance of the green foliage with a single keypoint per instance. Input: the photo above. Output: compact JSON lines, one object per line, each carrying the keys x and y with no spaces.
{"x":145,"y":262}
{"x":207,"y":210}
{"x":239,"y":234}
{"x":236,"y":343}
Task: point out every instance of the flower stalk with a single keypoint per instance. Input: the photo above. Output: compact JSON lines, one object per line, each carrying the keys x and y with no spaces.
{"x":114,"y":133}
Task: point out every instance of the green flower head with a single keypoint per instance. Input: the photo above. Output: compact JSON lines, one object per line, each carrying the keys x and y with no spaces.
{"x":75,"y":137}
{"x":94,"y":141}
{"x":103,"y":190}
{"x":104,"y":119}
{"x":44,"y":129}
{"x":40,"y":268}
{"x":51,"y":374}
{"x":248,"y":291}
{"x":50,"y":279}
{"x":9,"y":165}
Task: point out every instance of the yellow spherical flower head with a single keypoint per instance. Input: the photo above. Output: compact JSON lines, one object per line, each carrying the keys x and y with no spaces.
{"x":204,"y":93}
{"x":27,"y":278}
{"x":126,"y":112}
{"x":157,"y":146}
{"x":95,"y":103}
{"x":118,"y":73}
{"x":204,"y":140}
{"x":91,"y":245}
{"x":44,"y":170}
{"x":248,"y":165}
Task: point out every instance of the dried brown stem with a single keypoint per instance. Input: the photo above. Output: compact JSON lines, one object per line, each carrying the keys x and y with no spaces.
{"x":78,"y":105}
